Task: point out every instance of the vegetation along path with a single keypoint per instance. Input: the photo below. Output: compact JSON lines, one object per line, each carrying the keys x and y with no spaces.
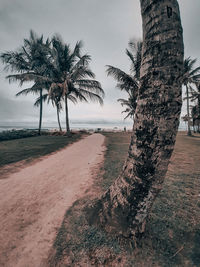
{"x":33,"y":201}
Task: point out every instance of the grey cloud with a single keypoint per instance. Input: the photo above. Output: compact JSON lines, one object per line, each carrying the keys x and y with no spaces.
{"x":105,"y":27}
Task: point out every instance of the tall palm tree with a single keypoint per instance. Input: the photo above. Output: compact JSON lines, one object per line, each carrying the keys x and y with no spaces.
{"x":124,"y":208}
{"x":71,"y":75}
{"x":195,"y":93}
{"x":129,"y":82}
{"x":28,"y":61}
{"x":195,"y":96}
{"x":191,"y":75}
{"x":195,"y":112}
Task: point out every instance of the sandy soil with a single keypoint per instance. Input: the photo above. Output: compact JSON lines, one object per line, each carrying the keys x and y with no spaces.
{"x":33,"y":201}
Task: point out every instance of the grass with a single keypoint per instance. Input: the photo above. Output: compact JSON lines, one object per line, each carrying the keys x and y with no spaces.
{"x":172,"y":235}
{"x":17,"y":134}
{"x":13,"y":151}
{"x":117,"y":149}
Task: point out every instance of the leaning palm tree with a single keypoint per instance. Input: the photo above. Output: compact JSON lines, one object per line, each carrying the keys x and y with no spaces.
{"x":71,"y":75}
{"x":129,"y":82}
{"x":28,"y":61}
{"x":124,"y":208}
{"x":191,"y":75}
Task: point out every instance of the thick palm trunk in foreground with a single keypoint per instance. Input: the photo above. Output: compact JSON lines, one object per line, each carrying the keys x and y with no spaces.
{"x":67,"y":115}
{"x":124,"y":207}
{"x":41,"y":106}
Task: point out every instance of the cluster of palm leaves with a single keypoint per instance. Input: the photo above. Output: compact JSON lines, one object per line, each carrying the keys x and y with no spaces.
{"x":129,"y":82}
{"x":195,"y":111}
{"x":57,"y":72}
{"x":191,"y":80}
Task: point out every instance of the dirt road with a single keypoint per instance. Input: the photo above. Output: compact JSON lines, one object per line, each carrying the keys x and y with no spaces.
{"x":33,"y":201}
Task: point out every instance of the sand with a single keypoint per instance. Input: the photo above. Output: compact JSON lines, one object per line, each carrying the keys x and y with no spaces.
{"x":33,"y":201}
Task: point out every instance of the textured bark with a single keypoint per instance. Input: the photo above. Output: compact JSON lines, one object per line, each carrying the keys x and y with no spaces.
{"x":41,"y":107}
{"x":124,"y":207}
{"x":67,"y":115}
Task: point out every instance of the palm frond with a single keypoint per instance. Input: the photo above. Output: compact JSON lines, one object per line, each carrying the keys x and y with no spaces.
{"x":27,"y":91}
{"x":91,"y":85}
{"x":72,"y":98}
{"x":83,"y":61}
{"x":77,"y":50}
{"x":82,"y":72}
{"x":45,"y":98}
{"x":122,"y":77}
{"x":90,"y":96}
{"x":27,"y":77}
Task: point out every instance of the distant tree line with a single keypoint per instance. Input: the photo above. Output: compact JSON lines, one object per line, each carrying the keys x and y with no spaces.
{"x":58,"y":73}
{"x":61,"y":74}
{"x":130,"y":84}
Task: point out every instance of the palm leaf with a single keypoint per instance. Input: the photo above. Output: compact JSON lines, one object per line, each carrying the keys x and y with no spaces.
{"x":45,"y":97}
{"x":122,"y":77}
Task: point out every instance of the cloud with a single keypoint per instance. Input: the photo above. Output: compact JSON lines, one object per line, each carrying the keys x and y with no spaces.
{"x":105,"y":27}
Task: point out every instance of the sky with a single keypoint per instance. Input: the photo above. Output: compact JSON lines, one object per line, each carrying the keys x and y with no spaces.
{"x":105,"y":26}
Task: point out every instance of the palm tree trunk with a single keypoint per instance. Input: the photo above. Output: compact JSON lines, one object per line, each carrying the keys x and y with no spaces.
{"x":58,"y":117}
{"x":41,"y":107}
{"x":124,"y":207}
{"x":67,"y":115}
{"x":188,"y":111}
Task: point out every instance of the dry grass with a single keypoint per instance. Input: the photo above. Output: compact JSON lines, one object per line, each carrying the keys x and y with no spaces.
{"x":173,"y":230}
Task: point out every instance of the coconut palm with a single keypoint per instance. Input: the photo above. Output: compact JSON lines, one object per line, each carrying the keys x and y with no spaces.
{"x":195,"y":112}
{"x":195,"y":97}
{"x":28,"y":61}
{"x":124,"y":208}
{"x":71,"y":75}
{"x":129,"y":82}
{"x":191,"y":75}
{"x":195,"y":93}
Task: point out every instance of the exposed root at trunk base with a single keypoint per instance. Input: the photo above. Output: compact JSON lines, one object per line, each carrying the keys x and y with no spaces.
{"x":115,"y":227}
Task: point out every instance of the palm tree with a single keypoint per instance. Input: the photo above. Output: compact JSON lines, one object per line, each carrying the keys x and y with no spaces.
{"x":195,"y":96}
{"x":71,"y":75}
{"x":30,"y":60}
{"x":190,"y":76}
{"x":196,"y":117}
{"x":124,"y":208}
{"x":129,"y":82}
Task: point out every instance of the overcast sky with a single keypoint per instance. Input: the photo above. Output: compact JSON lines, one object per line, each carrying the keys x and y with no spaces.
{"x":105,"y":26}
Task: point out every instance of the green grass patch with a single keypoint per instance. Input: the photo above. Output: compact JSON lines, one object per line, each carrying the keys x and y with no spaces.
{"x":29,"y":148}
{"x":117,"y":150}
{"x":17,"y":134}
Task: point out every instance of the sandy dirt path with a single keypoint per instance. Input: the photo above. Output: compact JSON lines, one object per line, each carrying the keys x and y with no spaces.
{"x":33,"y":201}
